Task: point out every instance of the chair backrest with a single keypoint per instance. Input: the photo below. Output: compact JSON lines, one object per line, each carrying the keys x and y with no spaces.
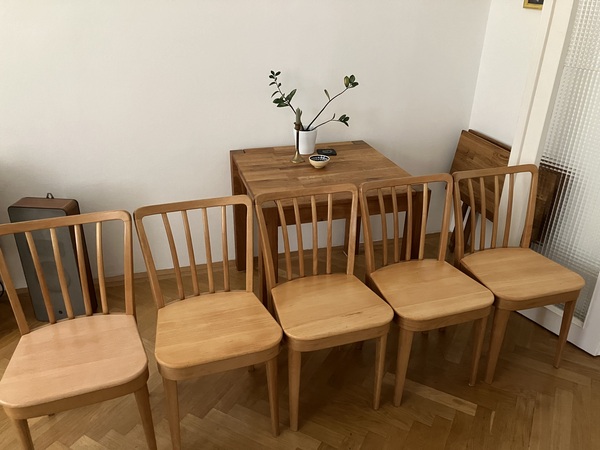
{"x":42,"y":237}
{"x":475,"y":181}
{"x":308,"y":206}
{"x":401,"y":204}
{"x":186,"y":231}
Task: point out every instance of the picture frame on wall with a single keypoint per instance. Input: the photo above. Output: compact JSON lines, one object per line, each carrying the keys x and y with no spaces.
{"x":534,"y":4}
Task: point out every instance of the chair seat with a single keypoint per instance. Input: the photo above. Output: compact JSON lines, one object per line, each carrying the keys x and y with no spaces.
{"x":214,"y":328}
{"x":521,"y":278}
{"x":73,"y":358}
{"x":427,"y":290}
{"x":322,"y":307}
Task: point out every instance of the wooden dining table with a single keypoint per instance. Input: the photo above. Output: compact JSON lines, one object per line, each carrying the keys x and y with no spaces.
{"x":258,"y":170}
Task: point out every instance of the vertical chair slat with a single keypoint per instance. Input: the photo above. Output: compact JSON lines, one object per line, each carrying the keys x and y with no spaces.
{"x":409,"y":221}
{"x":483,"y":212}
{"x":150,"y":265}
{"x":225,"y":249}
{"x":100,"y":264}
{"x":315,"y":235}
{"x":511,"y":193}
{"x":208,"y":251}
{"x":396,"y":224}
{"x":41,"y":278}
{"x":496,"y":209}
{"x":352,"y":236}
{"x":128,"y":267}
{"x":329,"y":232}
{"x":533,"y":186}
{"x":301,"y":269}
{"x":174,"y":256}
{"x":423,"y":230}
{"x":458,"y":225}
{"x":286,"y":240}
{"x":192,"y":256}
{"x":448,"y":199}
{"x":83,"y":275}
{"x":473,"y":207}
{"x":384,"y":239}
{"x":60,"y":271}
{"x":368,"y":227}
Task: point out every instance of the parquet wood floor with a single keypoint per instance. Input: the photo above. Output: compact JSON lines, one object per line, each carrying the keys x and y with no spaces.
{"x":530,"y":405}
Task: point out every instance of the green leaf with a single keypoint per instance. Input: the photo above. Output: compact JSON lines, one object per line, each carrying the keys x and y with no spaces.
{"x":277,"y":74}
{"x":346,"y":81}
{"x":327,"y":94}
{"x":290,"y":96}
{"x":272,"y":83}
{"x":352,"y":79}
{"x":282,"y":105}
{"x":274,"y":94}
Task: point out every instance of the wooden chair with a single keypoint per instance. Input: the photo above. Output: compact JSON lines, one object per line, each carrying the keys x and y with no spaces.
{"x":318,"y":306}
{"x":210,"y":328}
{"x":425,"y":293}
{"x":519,"y":277}
{"x":81,"y":360}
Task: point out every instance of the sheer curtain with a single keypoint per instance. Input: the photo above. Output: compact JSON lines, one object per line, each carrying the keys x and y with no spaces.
{"x":571,"y":234}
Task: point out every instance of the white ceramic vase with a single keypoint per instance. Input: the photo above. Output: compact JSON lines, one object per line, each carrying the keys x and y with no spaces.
{"x":306,"y":141}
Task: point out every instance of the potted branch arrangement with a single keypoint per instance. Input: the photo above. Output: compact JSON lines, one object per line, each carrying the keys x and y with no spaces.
{"x":306,"y":135}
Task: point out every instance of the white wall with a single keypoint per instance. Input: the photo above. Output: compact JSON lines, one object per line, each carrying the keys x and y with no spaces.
{"x":120,"y":104}
{"x":506,"y":62}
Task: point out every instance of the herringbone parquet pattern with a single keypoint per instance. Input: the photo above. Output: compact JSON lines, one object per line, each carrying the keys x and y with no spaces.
{"x":529,"y":405}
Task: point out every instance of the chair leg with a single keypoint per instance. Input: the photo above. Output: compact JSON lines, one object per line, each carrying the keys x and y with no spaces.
{"x":142,"y":397}
{"x":405,"y":339}
{"x":565,"y":325}
{"x":478,"y":335}
{"x":23,"y":433}
{"x":294,"y":363}
{"x":380,"y":345}
{"x":498,"y":330}
{"x":173,"y":412}
{"x":273,"y":394}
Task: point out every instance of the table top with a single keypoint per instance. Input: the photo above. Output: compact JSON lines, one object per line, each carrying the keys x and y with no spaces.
{"x":270,"y":169}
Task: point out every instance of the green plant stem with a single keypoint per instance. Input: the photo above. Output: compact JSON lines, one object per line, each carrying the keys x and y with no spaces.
{"x":327,"y":121}
{"x":283,"y":95}
{"x":323,"y":109}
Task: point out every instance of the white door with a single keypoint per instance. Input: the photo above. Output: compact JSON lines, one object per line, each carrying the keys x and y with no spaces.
{"x":534,"y":133}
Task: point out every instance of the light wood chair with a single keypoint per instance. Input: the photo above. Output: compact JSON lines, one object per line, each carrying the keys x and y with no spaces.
{"x":425,"y":293}
{"x":317,"y":305}
{"x":210,"y":327}
{"x":81,"y":360}
{"x":519,"y":277}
